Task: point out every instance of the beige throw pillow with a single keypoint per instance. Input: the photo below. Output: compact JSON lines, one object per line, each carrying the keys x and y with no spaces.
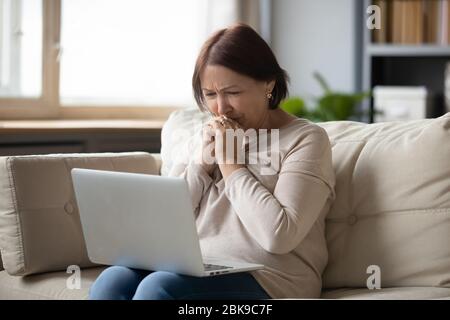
{"x":40,"y":228}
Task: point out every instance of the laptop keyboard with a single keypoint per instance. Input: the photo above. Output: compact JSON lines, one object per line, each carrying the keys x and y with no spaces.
{"x":209,"y":267}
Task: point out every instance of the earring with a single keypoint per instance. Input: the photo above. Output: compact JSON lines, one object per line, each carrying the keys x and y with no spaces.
{"x":269,"y":96}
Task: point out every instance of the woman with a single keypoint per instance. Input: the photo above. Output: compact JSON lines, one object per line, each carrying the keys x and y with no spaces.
{"x":242,"y":212}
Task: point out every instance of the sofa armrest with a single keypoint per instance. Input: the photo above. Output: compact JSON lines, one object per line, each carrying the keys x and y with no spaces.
{"x":40,"y":228}
{"x":158,"y":161}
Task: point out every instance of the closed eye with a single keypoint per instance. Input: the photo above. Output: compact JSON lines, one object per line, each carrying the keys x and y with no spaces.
{"x":212,"y":94}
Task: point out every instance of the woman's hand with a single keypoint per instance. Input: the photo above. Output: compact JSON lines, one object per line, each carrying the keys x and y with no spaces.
{"x":207,"y":156}
{"x":233,"y":159}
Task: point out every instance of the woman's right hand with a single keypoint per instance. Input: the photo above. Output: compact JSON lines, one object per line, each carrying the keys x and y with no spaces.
{"x":207,"y":157}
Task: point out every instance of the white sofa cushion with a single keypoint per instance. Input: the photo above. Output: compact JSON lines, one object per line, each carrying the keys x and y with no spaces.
{"x":181,"y":137}
{"x":392,"y":206}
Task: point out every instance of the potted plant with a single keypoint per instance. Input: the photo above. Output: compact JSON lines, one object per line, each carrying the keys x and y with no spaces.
{"x":331,"y":106}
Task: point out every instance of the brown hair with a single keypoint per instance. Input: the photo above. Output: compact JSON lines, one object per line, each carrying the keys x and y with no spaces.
{"x":242,"y":50}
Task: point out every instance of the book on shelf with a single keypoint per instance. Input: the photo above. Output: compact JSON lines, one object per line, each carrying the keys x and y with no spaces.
{"x":381,"y":35}
{"x":413,"y":22}
{"x":443,"y":22}
{"x":431,"y":21}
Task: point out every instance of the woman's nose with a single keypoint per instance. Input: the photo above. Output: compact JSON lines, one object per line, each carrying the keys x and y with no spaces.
{"x":223,"y":108}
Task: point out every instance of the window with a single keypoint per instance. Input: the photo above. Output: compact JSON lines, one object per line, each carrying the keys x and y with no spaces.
{"x":136,"y":52}
{"x":104,"y":58}
{"x":20,"y":48}
{"x":98,"y":55}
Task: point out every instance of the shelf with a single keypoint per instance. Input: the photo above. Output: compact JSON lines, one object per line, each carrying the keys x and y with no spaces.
{"x":389,"y":50}
{"x":396,"y":64}
{"x":22,"y":137}
{"x":79,"y":126}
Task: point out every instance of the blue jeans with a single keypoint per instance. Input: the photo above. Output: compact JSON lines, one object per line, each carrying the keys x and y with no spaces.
{"x":122,"y":283}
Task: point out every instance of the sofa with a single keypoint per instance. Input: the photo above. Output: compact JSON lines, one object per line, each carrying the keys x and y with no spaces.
{"x":388,"y":230}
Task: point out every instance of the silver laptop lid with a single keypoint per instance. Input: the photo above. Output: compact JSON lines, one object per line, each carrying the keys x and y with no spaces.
{"x":138,"y":220}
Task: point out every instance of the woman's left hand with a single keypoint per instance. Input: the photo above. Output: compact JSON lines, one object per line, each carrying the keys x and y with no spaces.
{"x":227,"y":161}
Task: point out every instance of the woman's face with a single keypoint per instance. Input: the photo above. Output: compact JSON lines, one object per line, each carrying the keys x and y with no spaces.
{"x":236,"y":96}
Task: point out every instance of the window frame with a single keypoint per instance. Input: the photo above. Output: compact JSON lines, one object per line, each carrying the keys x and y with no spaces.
{"x":48,"y":105}
{"x":14,"y":50}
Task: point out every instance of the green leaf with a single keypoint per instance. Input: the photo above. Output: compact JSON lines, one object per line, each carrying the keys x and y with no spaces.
{"x":295,"y":106}
{"x":331,"y":106}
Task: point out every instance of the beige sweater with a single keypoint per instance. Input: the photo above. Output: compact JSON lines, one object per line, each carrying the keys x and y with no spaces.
{"x":276,"y":220}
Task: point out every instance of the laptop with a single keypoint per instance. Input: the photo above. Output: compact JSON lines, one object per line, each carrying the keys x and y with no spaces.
{"x":144,"y":222}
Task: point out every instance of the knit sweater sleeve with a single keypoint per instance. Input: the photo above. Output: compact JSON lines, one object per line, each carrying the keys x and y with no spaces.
{"x":279,"y":221}
{"x":198,"y":181}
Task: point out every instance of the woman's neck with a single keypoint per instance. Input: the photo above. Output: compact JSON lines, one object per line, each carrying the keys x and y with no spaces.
{"x":275,"y":119}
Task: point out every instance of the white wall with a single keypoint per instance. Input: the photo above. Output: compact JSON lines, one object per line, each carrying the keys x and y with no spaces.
{"x":309,"y":35}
